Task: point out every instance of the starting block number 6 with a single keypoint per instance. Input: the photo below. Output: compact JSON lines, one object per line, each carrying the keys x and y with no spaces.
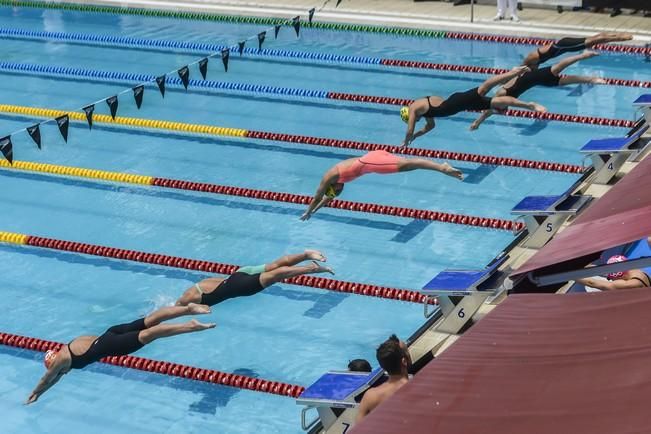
{"x":461,"y":313}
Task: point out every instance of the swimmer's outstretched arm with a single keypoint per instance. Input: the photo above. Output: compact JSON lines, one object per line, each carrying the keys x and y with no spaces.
{"x":319,"y":200}
{"x":606,"y":285}
{"x":411,"y":125}
{"x":484,"y":115}
{"x":48,"y":380}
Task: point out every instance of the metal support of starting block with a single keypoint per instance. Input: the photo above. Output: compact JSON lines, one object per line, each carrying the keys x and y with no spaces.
{"x":608,"y":155}
{"x":544,"y":215}
{"x":643,"y":103}
{"x":461,"y":293}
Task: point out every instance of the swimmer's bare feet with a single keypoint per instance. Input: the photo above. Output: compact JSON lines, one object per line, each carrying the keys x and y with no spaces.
{"x":537,"y":107}
{"x":588,"y":54}
{"x":598,"y":80}
{"x":318,"y":268}
{"x":453,"y":172}
{"x":315,"y":255}
{"x":198,"y":309}
{"x":195,"y":325}
{"x":519,"y":70}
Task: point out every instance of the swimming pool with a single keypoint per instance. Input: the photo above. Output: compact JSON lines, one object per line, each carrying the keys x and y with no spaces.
{"x":288,"y":333}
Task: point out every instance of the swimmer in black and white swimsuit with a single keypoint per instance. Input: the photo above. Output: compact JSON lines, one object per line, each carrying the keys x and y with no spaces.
{"x":549,"y":76}
{"x":250,"y":280}
{"x":567,"y":45}
{"x":474,"y":99}
{"x":118,"y":340}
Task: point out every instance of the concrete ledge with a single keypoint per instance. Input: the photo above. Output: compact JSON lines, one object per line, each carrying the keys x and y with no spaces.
{"x":405,"y":13}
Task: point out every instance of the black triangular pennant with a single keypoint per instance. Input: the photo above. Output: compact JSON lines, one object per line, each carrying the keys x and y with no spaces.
{"x":240,"y":46}
{"x":160,"y":81}
{"x":112,"y":102}
{"x":184,"y":75}
{"x":203,"y":67}
{"x":338,"y":1}
{"x":261,"y":37}
{"x":138,"y":93}
{"x":62,"y":123}
{"x":35,"y":133}
{"x":225,"y":55}
{"x":311,"y":14}
{"x":276,"y":30}
{"x":89,"y":109}
{"x":7,"y":149}
{"x":296,"y":22}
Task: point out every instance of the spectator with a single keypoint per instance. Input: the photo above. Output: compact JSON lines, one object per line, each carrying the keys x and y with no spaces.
{"x":393,"y":356}
{"x":502,"y":6}
{"x":359,"y":365}
{"x":620,"y":280}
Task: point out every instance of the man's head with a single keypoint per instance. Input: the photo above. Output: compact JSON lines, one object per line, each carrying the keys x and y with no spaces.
{"x":334,"y":190}
{"x":359,"y":365}
{"x":393,"y":356}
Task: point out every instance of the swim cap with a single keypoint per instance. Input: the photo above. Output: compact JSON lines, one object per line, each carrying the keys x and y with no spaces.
{"x":613,"y":260}
{"x":50,"y":355}
{"x":404,"y":114}
{"x":330,"y":192}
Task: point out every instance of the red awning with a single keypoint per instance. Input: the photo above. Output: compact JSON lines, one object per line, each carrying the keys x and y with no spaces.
{"x":537,"y":364}
{"x":621,"y":216}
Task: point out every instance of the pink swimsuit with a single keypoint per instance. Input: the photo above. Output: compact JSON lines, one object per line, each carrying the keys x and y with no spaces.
{"x":373,"y":162}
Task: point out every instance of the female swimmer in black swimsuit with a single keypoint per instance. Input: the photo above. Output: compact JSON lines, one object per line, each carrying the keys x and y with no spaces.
{"x":473,"y":99}
{"x":549,"y":76}
{"x":116,"y":341}
{"x":566,"y":45}
{"x":250,"y":280}
{"x":620,"y":280}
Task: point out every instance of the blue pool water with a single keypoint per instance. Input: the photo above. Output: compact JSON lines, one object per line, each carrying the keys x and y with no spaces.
{"x":287,"y":333}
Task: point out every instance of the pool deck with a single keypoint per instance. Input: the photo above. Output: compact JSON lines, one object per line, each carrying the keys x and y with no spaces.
{"x":424,"y":14}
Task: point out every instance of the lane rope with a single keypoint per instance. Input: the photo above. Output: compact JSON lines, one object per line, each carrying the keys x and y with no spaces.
{"x":202,"y":47}
{"x":63,"y":71}
{"x":398,"y":31}
{"x":346,"y":205}
{"x":293,"y":138}
{"x":211,"y":267}
{"x":167,"y":368}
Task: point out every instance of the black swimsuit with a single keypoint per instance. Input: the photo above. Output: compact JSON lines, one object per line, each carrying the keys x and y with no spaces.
{"x":116,"y":341}
{"x":561,"y":46}
{"x":238,"y":284}
{"x":537,"y":77}
{"x":648,"y":280}
{"x":457,"y":102}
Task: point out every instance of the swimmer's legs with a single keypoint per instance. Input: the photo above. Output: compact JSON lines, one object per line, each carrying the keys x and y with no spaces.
{"x":504,"y":102}
{"x":290,"y":260}
{"x":408,"y":164}
{"x":171,"y":312}
{"x":606,"y":37}
{"x":285,"y":272}
{"x":157,"y":330}
{"x":496,"y":80}
{"x":165,"y":330}
{"x":568,"y":61}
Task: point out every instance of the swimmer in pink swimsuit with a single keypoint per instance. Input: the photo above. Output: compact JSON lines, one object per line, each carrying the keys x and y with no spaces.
{"x":332,"y":183}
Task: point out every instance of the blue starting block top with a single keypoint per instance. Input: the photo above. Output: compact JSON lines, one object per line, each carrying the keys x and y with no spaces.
{"x":615,"y":144}
{"x":643,"y":100}
{"x":537,"y":204}
{"x":338,"y":389}
{"x":461,"y":282}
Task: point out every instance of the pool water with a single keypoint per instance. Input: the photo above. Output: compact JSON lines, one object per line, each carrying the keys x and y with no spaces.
{"x":287,"y":333}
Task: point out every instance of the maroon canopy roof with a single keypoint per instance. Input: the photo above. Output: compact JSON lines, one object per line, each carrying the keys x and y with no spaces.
{"x":538,"y":363}
{"x":621,"y":216}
